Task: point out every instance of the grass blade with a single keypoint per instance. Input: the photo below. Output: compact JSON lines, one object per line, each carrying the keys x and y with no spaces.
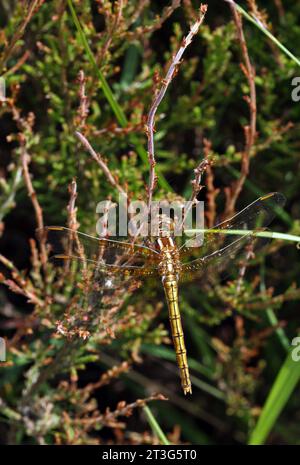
{"x":282,"y":389}
{"x":242,"y":232}
{"x":272,"y":317}
{"x":261,"y":27}
{"x":155,"y":426}
{"x":105,"y":87}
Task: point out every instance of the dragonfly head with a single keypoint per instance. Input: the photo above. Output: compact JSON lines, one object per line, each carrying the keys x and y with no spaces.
{"x":165,"y":238}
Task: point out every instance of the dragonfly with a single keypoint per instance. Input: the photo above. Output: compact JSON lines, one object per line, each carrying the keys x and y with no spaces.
{"x":164,"y":259}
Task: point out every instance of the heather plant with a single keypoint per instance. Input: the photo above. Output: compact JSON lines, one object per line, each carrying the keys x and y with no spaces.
{"x":83,"y":83}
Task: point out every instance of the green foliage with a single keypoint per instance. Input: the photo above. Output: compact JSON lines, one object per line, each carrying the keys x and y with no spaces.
{"x":69,"y":379}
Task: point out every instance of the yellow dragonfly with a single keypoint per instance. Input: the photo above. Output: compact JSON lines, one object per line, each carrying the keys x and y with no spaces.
{"x":163,"y":258}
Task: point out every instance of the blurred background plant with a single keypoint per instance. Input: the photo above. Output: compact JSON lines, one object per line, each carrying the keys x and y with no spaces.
{"x":93,"y":66}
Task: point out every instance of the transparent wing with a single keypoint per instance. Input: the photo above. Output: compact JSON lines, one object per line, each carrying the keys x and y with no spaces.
{"x":102,"y":273}
{"x":105,"y":255}
{"x":227,"y":240}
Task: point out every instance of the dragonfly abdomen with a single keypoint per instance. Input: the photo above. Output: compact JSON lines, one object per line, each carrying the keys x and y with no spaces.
{"x":171,"y":290}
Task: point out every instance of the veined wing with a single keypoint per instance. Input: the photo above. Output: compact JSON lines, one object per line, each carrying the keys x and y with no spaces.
{"x":225,"y":241}
{"x":104,"y":273}
{"x":106,"y":255}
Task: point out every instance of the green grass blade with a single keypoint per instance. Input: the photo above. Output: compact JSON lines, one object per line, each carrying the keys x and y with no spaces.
{"x":266,"y":32}
{"x":155,"y":426}
{"x":282,"y":389}
{"x":271,"y":316}
{"x":273,"y":320}
{"x":105,"y":87}
{"x":118,"y":111}
{"x":242,"y":232}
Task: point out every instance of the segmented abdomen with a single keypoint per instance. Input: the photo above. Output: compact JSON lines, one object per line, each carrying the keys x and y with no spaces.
{"x":171,"y":291}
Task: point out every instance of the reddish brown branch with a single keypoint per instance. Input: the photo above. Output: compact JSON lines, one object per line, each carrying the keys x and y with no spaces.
{"x":232,"y":193}
{"x":25,"y":160}
{"x":279,"y":7}
{"x":212,"y":192}
{"x":106,"y":377}
{"x":141,"y":31}
{"x":97,"y":157}
{"x":31,"y":10}
{"x":123,"y":410}
{"x":19,"y":63}
{"x":196,"y":187}
{"x":111,"y":30}
{"x":72,"y":210}
{"x":18,"y":284}
{"x":160,"y":95}
{"x":83,"y":109}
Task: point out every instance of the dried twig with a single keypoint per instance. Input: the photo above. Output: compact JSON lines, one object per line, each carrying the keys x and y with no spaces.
{"x":261,"y":16}
{"x":71,"y":208}
{"x":19,"y":63}
{"x":97,"y":157}
{"x":123,"y":410}
{"x":112,"y":128}
{"x":196,"y":182}
{"x":243,"y":266}
{"x":138,"y":10}
{"x":19,"y":285}
{"x":25,"y":125}
{"x":112,"y":373}
{"x":111,"y":30}
{"x":83,"y":109}
{"x":197,"y":187}
{"x":212,"y":192}
{"x":74,"y":225}
{"x":191,"y":12}
{"x":160,"y":95}
{"x":232,"y":192}
{"x":141,"y":31}
{"x":25,"y":159}
{"x":33,"y":7}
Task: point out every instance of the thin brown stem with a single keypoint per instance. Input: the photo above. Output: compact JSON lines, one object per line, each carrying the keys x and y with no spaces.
{"x":212,"y":191}
{"x":32,"y":9}
{"x":110,"y":33}
{"x":97,"y":157}
{"x":83,"y":109}
{"x":25,"y":160}
{"x":280,"y":8}
{"x":72,"y":210}
{"x":232,"y":193}
{"x":160,"y":95}
{"x":19,"y":64}
{"x":196,"y":187}
{"x":123,"y":409}
{"x":142,"y":31}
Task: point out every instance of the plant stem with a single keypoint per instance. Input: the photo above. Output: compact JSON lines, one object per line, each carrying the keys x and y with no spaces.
{"x":261,"y":27}
{"x":118,"y":111}
{"x":155,"y":426}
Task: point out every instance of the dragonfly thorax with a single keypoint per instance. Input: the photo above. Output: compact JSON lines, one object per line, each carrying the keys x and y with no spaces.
{"x":169,"y":266}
